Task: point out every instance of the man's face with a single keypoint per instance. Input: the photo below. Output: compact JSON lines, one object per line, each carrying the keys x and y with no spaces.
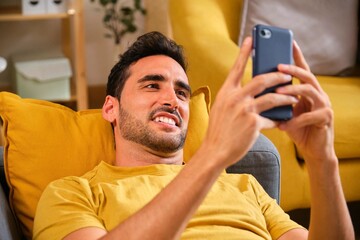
{"x":154,"y":104}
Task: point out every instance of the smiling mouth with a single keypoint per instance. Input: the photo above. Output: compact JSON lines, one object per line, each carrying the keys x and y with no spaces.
{"x":166,"y":120}
{"x":166,"y":115}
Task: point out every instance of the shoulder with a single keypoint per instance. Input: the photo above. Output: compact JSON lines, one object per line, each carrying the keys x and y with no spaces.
{"x":55,"y":210}
{"x":70,"y":185}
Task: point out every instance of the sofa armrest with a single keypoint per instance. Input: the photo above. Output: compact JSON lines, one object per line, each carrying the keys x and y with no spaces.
{"x":8,"y":227}
{"x":263,"y":162}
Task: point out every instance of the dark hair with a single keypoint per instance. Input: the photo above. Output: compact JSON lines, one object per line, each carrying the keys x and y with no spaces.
{"x":149,"y":44}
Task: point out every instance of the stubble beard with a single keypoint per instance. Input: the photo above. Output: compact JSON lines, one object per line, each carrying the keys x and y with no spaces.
{"x":134,"y":130}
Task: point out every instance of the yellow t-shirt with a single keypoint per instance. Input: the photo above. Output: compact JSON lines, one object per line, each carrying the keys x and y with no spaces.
{"x":236,"y":207}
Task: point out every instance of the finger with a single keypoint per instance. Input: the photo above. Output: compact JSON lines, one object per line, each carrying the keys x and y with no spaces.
{"x":299,"y":58}
{"x":264,"y":81}
{"x":271,"y":100}
{"x":237,"y":71}
{"x":303,"y":75}
{"x":308,"y":92}
{"x":319,"y":118}
{"x":267,"y":123}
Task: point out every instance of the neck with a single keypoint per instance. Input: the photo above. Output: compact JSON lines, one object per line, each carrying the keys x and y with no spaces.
{"x":130,"y":154}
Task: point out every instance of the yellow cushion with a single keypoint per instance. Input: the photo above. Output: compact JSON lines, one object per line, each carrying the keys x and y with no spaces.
{"x":45,"y":141}
{"x":344,"y":95}
{"x":345,"y":98}
{"x":198,"y":123}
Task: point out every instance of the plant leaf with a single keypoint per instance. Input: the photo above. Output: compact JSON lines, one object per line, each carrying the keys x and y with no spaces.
{"x":107,"y":18}
{"x":104,"y":2}
{"x":126,"y":10}
{"x":118,"y":18}
{"x":137,"y":4}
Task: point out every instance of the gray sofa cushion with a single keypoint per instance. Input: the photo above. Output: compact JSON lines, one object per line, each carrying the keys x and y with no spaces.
{"x":263,"y":162}
{"x":9,"y":230}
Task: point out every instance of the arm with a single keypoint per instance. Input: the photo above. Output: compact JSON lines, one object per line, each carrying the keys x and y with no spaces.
{"x":312,"y":131}
{"x":167,"y":215}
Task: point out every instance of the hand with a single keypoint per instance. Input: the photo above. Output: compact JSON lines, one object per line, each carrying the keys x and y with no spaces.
{"x":312,"y":131}
{"x":311,"y":128}
{"x":235,"y":122}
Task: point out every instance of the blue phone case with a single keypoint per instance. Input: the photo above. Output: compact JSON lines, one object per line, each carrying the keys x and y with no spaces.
{"x":272,"y":46}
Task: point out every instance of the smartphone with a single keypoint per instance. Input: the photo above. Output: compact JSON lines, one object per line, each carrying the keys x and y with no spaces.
{"x":272,"y":46}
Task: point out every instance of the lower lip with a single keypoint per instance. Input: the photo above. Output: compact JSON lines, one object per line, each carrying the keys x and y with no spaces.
{"x":166,"y":125}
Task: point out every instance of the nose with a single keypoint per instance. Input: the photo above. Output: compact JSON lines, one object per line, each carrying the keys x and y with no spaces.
{"x":169,"y":98}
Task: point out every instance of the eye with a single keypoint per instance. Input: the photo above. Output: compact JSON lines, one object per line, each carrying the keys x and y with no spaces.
{"x":182,"y":94}
{"x":152,"y":86}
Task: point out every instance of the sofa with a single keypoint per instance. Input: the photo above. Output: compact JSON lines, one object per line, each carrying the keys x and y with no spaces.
{"x":45,"y":141}
{"x":209,"y":31}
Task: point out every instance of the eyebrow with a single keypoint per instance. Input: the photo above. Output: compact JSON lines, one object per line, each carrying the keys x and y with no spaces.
{"x":161,"y":78}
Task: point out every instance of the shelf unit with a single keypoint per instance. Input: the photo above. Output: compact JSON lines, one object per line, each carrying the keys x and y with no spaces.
{"x":72,"y":39}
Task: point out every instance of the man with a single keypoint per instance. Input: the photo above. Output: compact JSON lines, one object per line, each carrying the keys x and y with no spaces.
{"x":150,"y":194}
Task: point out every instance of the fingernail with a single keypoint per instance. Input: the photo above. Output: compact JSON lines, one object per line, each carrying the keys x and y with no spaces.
{"x":296,"y":44}
{"x":294,"y":100}
{"x":287,"y":77}
{"x":247,"y":40}
{"x":283,"y":66}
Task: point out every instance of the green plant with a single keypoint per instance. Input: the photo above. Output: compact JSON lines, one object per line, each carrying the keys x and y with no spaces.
{"x":119,"y":18}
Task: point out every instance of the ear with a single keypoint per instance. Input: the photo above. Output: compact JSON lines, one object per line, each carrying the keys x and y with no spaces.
{"x":110,"y":109}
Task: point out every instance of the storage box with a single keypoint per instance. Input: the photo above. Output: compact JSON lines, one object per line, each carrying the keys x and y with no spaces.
{"x":47,"y":79}
{"x":32,"y":7}
{"x":56,"y":6}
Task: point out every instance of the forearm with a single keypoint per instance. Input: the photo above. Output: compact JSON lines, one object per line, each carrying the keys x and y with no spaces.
{"x":167,"y":215}
{"x":330,"y":218}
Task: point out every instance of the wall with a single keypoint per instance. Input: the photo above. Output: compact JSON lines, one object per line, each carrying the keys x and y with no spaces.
{"x":36,"y":36}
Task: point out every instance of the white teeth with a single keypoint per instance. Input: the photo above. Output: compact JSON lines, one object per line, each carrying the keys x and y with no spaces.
{"x":165,"y":120}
